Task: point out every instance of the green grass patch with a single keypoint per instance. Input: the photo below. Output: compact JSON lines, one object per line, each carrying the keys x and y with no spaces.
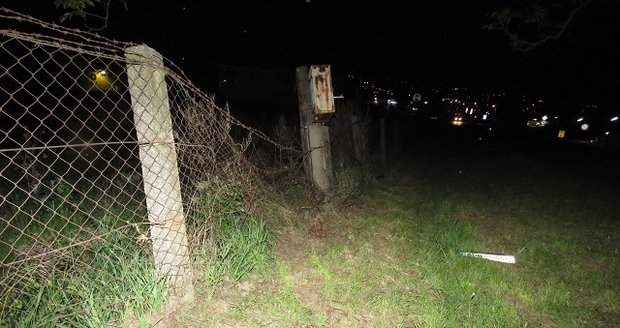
{"x":244,"y":245}
{"x":115,"y":287}
{"x":241,"y":243}
{"x":100,"y":271}
{"x":566,"y":266}
{"x":398,"y":262}
{"x":279,"y":304}
{"x":284,"y":304}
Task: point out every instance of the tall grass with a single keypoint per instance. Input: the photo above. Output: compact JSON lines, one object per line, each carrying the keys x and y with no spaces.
{"x":241,"y":242}
{"x":113,"y":287}
{"x":90,"y":283}
{"x":242,"y":247}
{"x":112,"y":278}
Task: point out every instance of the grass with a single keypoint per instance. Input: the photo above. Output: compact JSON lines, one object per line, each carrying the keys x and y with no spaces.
{"x":561,"y":269}
{"x":103,"y":280}
{"x":348,"y":184}
{"x":109,"y":277}
{"x":282,"y":305}
{"x":390,"y":257}
{"x":242,"y":243}
{"x":244,"y":246}
{"x":116,"y":287}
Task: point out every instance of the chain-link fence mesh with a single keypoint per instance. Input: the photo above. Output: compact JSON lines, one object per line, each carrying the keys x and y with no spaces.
{"x":98,"y":147}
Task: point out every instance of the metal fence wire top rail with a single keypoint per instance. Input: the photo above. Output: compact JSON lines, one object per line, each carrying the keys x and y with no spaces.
{"x":106,"y":152}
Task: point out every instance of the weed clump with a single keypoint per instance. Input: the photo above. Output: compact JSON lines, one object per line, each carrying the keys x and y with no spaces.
{"x":236,"y":242}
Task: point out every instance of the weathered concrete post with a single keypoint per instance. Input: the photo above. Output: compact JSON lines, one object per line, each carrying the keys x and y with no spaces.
{"x":320,"y":156}
{"x":149,"y":99}
{"x":316,"y":105}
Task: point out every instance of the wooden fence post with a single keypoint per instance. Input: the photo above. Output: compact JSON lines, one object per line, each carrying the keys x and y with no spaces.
{"x":396,"y":136}
{"x":356,"y":132}
{"x":151,"y":109}
{"x":382,"y":150}
{"x":305,"y":117}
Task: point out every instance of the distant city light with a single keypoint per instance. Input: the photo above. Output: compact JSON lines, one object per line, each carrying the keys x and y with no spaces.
{"x":580,"y":119}
{"x":606,"y":133}
{"x":484,"y":117}
{"x":545,"y":117}
{"x":613,"y":119}
{"x":392,"y":102}
{"x":584,"y":127}
{"x":426,"y":103}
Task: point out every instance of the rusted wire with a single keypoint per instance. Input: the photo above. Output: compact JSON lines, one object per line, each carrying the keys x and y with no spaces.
{"x":71,"y":182}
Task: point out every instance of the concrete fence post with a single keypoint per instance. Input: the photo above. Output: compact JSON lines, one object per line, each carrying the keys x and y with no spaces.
{"x":314,"y":137}
{"x":153,"y":122}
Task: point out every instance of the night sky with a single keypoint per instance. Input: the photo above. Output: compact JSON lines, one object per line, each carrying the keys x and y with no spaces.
{"x":432,"y":43}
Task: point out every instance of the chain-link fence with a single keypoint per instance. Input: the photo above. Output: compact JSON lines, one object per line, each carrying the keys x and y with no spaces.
{"x":108,"y":159}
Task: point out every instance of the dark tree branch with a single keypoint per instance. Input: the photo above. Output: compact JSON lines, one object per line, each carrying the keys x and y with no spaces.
{"x":511,"y":23}
{"x":83,"y":9}
{"x":104,"y":17}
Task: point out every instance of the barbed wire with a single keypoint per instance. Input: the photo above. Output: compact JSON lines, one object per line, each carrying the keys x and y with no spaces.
{"x":88,"y":176}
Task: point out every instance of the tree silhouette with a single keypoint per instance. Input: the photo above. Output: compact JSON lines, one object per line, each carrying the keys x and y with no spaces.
{"x":536,"y":23}
{"x":94,"y":13}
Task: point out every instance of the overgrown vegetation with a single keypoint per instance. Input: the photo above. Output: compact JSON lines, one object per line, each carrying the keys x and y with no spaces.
{"x":112,"y":278}
{"x":240,"y":242}
{"x":348,"y":184}
{"x":53,"y":281}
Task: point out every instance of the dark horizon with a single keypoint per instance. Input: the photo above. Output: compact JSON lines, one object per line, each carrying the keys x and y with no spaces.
{"x":438,"y":44}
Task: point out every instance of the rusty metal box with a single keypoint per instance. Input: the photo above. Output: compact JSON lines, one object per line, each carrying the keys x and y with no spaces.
{"x":321,"y":93}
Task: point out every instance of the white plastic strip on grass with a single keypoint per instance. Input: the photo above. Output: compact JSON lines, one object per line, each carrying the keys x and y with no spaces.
{"x":491,"y":257}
